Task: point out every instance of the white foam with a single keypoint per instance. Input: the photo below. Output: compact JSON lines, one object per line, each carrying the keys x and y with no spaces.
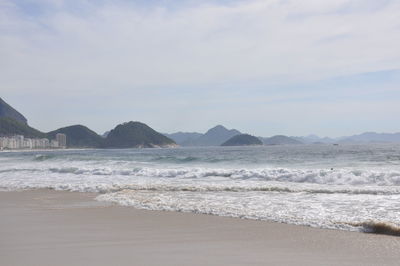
{"x":313,"y":196}
{"x":318,"y":210}
{"x":338,"y":181}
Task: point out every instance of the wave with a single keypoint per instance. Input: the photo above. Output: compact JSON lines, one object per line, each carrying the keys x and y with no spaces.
{"x":16,"y":170}
{"x":248,"y":188}
{"x":261,"y":184}
{"x":259,"y":188}
{"x":265,"y":188}
{"x":301,"y":209}
{"x":174,"y":159}
{"x":331,"y":181}
{"x":43,"y":157}
{"x":189,"y":159}
{"x":313,"y":176}
{"x":105,"y":186}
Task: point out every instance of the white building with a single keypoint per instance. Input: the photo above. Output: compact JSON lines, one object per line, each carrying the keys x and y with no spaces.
{"x":54,"y":144}
{"x":62,"y":140}
{"x":20,"y":142}
{"x":3,"y":143}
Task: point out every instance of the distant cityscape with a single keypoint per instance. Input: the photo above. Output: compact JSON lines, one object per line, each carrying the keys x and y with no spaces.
{"x":16,"y":134}
{"x":19,"y":142}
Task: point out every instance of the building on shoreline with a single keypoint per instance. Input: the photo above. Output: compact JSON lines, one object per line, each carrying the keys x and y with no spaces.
{"x":61,"y":139}
{"x":18,"y":142}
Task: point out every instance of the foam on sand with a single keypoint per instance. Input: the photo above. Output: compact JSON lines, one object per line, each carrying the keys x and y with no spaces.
{"x":95,"y":234}
{"x":380,"y":228}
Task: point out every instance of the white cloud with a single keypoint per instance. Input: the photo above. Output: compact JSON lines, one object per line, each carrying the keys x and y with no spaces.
{"x":135,"y":47}
{"x":118,"y":47}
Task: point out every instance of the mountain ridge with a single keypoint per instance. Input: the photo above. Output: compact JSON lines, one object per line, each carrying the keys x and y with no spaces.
{"x":7,"y":110}
{"x":280,"y":140}
{"x":135,"y":134}
{"x":78,"y":136}
{"x":183,"y":138}
{"x":9,"y":127}
{"x":215,"y":136}
{"x":365,"y":137}
{"x":14,"y":123}
{"x":243,"y":140}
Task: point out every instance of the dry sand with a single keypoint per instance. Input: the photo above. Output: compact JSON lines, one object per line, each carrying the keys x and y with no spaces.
{"x":46,"y":227}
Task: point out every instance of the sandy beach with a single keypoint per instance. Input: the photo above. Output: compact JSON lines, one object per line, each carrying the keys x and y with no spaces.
{"x":45,"y":227}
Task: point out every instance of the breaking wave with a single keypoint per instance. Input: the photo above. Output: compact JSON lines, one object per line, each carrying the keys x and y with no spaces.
{"x":315,"y":210}
{"x":105,"y":188}
{"x":319,"y":186}
{"x":43,"y":157}
{"x":313,"y":176}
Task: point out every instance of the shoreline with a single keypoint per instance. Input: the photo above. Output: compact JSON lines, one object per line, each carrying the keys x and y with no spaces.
{"x":48,"y":227}
{"x":28,"y":150}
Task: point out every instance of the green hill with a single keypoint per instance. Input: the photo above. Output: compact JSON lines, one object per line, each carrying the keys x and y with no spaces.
{"x":213,"y":137}
{"x":280,"y":140}
{"x":79,"y":136}
{"x":10,"y":127}
{"x":6,"y":111}
{"x":242,"y":140}
{"x":135,"y":135}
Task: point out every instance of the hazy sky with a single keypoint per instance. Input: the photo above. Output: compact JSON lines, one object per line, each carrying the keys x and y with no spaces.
{"x":265,"y":67}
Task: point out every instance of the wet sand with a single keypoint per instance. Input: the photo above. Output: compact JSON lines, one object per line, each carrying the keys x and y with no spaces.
{"x":45,"y":227}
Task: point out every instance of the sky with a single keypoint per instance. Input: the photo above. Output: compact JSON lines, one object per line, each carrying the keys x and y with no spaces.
{"x":264,"y":67}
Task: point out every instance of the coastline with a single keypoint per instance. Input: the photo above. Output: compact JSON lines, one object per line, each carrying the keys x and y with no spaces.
{"x":87,"y":149}
{"x":39,"y":150}
{"x":47,"y":227}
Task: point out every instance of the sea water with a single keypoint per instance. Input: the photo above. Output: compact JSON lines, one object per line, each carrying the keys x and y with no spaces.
{"x":326,"y":186}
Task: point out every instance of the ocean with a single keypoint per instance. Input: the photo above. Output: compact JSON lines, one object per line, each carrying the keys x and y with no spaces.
{"x":347,"y":187}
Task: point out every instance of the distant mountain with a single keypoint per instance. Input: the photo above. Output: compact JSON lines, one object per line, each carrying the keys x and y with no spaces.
{"x":136,"y":135}
{"x":7,"y":111}
{"x":215,"y":136}
{"x":242,"y":140}
{"x":315,"y":139}
{"x":79,"y":136}
{"x":184,"y":138}
{"x":280,"y":140}
{"x":372,"y":137}
{"x":366,"y":137}
{"x":10,"y":127}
